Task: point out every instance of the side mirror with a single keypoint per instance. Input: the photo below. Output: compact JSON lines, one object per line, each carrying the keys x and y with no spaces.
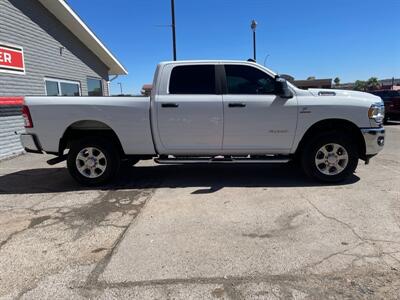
{"x":282,"y":89}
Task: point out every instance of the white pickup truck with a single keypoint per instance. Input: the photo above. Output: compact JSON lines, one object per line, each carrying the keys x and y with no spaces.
{"x":209,"y":112}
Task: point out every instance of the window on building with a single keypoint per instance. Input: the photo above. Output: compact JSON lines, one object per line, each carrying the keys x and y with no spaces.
{"x":69,"y":89}
{"x":52,"y":88}
{"x":58,"y":87}
{"x":198,"y":79}
{"x":248,"y":80}
{"x":95,"y":87}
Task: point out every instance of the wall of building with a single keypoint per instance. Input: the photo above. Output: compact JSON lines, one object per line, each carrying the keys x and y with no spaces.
{"x":11,"y":124}
{"x":50,"y":50}
{"x":313,"y":83}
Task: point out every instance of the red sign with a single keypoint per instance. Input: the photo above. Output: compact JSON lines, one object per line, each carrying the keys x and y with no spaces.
{"x":12,"y":59}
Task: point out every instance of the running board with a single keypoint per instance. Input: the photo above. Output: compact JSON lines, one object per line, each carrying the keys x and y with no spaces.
{"x":234,"y":160}
{"x":57,"y":160}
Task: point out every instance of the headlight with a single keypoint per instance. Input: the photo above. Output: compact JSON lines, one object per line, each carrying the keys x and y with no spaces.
{"x":377,"y":112}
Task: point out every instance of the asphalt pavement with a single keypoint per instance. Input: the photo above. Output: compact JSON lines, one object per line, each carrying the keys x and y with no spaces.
{"x":201,"y":232}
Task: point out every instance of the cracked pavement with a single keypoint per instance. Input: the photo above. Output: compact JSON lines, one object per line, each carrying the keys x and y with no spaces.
{"x":201,"y":232}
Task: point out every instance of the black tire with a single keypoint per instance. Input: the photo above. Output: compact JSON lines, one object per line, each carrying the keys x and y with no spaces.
{"x":311,"y":149}
{"x":111,"y":159}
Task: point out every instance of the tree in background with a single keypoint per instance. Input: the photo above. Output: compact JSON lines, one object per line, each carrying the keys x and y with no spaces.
{"x":311,"y":78}
{"x":336,"y":81}
{"x":360,"y":85}
{"x":373,"y":84}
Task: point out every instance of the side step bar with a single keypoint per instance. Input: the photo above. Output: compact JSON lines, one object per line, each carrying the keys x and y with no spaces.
{"x":223,"y":160}
{"x":57,"y":160}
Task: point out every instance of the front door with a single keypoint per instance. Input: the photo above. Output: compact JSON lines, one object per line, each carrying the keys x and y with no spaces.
{"x":190,"y":115}
{"x":255,"y":119}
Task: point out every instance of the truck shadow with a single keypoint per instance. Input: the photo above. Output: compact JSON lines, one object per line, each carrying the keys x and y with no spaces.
{"x":393,"y":123}
{"x":208,"y":178}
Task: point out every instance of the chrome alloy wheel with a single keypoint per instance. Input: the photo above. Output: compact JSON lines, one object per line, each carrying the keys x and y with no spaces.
{"x":91,"y":162}
{"x":331,"y":159}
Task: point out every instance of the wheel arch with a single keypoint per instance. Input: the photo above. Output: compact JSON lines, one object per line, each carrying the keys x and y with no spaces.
{"x":88,"y":128}
{"x":334,"y":125}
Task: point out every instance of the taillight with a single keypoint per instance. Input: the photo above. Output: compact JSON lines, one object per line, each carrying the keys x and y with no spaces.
{"x":27,"y":117}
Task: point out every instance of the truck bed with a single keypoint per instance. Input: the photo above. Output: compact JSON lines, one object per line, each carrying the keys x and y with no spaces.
{"x":129,"y":117}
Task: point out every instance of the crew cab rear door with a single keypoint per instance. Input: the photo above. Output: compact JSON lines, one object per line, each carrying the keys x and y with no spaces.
{"x":256,"y":120}
{"x":189,"y":112}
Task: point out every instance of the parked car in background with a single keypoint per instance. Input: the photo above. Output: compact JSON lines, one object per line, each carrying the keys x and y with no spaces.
{"x":209,"y":112}
{"x":391,"y":99}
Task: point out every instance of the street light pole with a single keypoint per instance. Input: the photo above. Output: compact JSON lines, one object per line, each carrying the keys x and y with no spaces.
{"x":173,"y":28}
{"x":253,"y":27}
{"x":266,"y":57}
{"x":120,"y":87}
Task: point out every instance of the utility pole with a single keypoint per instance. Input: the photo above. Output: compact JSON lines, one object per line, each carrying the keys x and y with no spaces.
{"x":173,"y":28}
{"x":253,"y":27}
{"x":120,"y":87}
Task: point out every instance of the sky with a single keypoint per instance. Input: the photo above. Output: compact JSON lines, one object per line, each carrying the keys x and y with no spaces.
{"x":349,"y":39}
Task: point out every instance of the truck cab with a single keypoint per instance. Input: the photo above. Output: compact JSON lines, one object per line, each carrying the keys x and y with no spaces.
{"x":221,"y":109}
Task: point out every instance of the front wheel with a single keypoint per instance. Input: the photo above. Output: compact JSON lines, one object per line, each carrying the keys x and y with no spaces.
{"x":93,"y":162}
{"x":330,"y":158}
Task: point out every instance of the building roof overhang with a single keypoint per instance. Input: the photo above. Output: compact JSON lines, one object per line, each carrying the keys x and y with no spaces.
{"x":64,"y":13}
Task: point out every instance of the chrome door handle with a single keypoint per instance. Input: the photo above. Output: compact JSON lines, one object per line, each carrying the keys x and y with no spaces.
{"x":170,"y":105}
{"x":237,"y":105}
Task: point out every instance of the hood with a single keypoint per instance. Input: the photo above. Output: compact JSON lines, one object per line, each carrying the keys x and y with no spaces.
{"x":344,"y":93}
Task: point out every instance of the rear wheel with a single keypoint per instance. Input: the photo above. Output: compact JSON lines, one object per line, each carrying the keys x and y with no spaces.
{"x":93,"y":162}
{"x":330,"y":158}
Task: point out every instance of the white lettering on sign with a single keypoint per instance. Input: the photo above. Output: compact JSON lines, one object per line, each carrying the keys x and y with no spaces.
{"x":5,"y":57}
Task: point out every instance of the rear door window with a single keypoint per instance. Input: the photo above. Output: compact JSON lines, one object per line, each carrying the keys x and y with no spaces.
{"x":195,"y":79}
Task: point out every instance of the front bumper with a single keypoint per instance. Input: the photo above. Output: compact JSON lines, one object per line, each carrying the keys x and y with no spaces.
{"x":374,"y":140}
{"x":30,"y":143}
